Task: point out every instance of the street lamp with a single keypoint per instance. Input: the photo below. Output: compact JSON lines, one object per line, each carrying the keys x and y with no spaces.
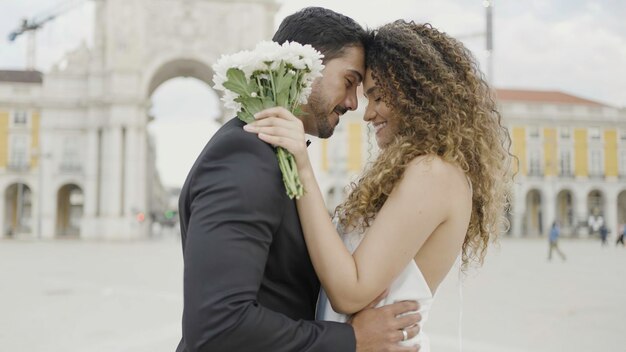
{"x":488,"y":34}
{"x":489,"y":38}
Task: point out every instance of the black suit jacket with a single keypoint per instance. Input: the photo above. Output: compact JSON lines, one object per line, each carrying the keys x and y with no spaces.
{"x":249,"y":284}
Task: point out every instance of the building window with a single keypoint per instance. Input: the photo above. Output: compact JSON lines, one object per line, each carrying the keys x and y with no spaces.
{"x":566,"y":133}
{"x":594,"y":110}
{"x":566,"y":163}
{"x":18,"y":156}
{"x":622,"y":163}
{"x":71,"y":154}
{"x":20,"y":118}
{"x":594,"y":134}
{"x":533,"y":132}
{"x":596,"y":163}
{"x":565,"y":108}
{"x":534,"y":162}
{"x":622,"y":136}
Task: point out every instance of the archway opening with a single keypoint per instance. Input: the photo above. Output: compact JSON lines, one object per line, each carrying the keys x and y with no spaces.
{"x":595,"y":211}
{"x":533,"y":224}
{"x":621,"y":210}
{"x":183,"y":117}
{"x":17,"y":210}
{"x":565,"y":212}
{"x":70,"y":202}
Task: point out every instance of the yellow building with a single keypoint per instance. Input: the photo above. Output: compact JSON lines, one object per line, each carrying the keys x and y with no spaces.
{"x":571,"y":151}
{"x":572,"y":162}
{"x":19,"y":142}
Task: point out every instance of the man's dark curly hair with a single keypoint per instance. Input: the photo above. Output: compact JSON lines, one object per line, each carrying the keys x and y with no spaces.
{"x":325,"y":30}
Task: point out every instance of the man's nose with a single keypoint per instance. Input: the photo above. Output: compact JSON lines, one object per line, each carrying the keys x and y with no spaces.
{"x":351,"y":102}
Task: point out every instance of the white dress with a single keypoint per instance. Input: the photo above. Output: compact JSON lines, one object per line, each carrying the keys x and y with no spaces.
{"x":409,"y":285}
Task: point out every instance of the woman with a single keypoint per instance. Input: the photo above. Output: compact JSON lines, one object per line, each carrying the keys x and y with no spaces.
{"x":438,"y":187}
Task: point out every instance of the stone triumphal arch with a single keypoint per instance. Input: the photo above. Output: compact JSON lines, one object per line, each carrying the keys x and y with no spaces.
{"x":100,"y":97}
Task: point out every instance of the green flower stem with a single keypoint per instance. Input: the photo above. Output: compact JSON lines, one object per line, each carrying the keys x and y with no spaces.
{"x":286,"y":162}
{"x":258,"y":82}
{"x":294,"y":102}
{"x":273,"y":85}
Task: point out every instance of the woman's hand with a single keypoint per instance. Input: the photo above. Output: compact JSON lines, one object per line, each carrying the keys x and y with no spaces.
{"x":279,"y":127}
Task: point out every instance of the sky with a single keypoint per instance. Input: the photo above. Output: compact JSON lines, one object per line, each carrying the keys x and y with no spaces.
{"x":575,"y":46}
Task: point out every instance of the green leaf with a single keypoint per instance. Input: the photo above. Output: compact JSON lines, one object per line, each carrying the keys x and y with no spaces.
{"x":294,"y":89}
{"x":237,"y":82}
{"x":245,"y":116}
{"x":283,"y":83}
{"x":283,"y":98}
{"x":268,"y":102}
{"x":252,"y":105}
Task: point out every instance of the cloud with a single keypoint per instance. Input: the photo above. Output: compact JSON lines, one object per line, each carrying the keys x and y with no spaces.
{"x":185,"y":99}
{"x":178,"y":144}
{"x":573,"y":54}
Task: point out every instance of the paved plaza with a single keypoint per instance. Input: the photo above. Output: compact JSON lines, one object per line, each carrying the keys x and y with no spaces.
{"x":127,"y":296}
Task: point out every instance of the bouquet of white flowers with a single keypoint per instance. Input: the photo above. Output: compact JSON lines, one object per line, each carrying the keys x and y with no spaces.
{"x":270,"y":75}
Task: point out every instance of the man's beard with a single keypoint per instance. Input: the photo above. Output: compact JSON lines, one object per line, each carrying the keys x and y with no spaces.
{"x":316,"y":106}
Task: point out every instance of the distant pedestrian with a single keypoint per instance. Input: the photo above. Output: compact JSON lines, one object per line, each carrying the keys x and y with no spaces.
{"x":555,"y":232}
{"x":620,"y":238}
{"x":595,"y":222}
{"x":604,"y":233}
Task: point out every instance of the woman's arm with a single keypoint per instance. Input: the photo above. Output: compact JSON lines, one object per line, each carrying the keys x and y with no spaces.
{"x":413,"y":210}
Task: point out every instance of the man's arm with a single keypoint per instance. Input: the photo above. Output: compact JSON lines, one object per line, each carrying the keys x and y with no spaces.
{"x":233,"y":214}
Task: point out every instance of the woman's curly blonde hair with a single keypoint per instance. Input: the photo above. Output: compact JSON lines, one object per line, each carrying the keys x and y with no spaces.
{"x":433,"y":85}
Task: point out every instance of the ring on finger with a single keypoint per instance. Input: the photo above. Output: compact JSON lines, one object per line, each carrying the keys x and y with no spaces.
{"x":405,"y":335}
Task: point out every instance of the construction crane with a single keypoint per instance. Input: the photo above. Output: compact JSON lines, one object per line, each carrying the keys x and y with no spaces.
{"x":30,"y":27}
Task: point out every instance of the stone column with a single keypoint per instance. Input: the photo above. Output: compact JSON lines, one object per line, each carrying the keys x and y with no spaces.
{"x":136,"y":181}
{"x":517,"y":220}
{"x":610,"y":216}
{"x":548,"y":210}
{"x":89,"y":226}
{"x":580,"y":210}
{"x":519,"y":209}
{"x":111,"y":179}
{"x":48,"y":195}
{"x":3,"y":224}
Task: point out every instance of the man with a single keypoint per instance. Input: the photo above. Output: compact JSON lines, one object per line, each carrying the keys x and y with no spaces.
{"x":249,"y":284}
{"x":620,"y":238}
{"x":555,"y":232}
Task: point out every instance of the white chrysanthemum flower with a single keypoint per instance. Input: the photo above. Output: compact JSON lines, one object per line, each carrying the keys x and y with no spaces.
{"x":298,"y":64}
{"x":229,"y":101}
{"x":304,"y":95}
{"x":299,"y":57}
{"x":268,"y":51}
{"x":303,"y":63}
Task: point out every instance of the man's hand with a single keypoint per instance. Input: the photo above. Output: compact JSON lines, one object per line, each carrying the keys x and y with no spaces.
{"x":380,"y":329}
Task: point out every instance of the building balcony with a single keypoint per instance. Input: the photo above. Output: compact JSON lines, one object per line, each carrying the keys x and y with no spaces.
{"x":596,"y":176}
{"x":67,"y":168}
{"x":535,"y":173}
{"x":18,"y":166}
{"x":566,"y":174}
